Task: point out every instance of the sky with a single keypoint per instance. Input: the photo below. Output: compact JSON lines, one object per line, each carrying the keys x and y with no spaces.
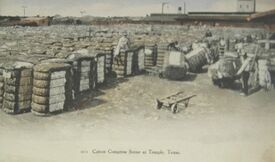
{"x":117,"y":7}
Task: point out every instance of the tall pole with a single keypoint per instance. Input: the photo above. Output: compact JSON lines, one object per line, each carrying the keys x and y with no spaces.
{"x":24,"y":9}
{"x":162,"y":10}
{"x":162,"y":6}
{"x":184,"y":9}
{"x":82,"y":12}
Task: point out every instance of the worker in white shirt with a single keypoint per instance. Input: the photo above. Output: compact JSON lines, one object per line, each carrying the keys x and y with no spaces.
{"x":123,"y":44}
{"x":244,"y":71}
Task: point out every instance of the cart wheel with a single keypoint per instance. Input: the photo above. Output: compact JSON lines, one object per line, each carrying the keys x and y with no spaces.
{"x":174,"y":108}
{"x":159,"y":104}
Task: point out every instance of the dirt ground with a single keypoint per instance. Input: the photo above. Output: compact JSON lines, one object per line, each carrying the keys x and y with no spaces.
{"x":218,"y":126}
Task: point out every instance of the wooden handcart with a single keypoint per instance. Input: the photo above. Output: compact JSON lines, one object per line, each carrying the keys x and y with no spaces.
{"x":173,"y":101}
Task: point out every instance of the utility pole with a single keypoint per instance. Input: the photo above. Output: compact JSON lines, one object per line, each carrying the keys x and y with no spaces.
{"x":82,"y":12}
{"x":162,"y":6}
{"x":162,"y":10}
{"x":24,"y":9}
{"x":184,"y":9}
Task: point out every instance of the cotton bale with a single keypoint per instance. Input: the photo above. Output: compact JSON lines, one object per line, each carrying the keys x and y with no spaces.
{"x":52,"y":90}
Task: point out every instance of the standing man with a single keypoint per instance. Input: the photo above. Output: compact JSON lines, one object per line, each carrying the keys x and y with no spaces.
{"x":244,"y":71}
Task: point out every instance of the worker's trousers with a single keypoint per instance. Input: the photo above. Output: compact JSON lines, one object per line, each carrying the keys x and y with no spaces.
{"x":245,"y":78}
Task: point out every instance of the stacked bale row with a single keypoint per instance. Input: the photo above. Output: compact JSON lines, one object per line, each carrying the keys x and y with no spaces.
{"x":108,"y":52}
{"x":1,"y":87}
{"x":139,"y":60}
{"x":271,"y":68}
{"x":264,"y":74}
{"x":83,"y":73}
{"x":52,"y":89}
{"x":122,"y":64}
{"x":176,"y":68}
{"x":17,"y":87}
{"x":162,"y":52}
{"x":222,"y":72}
{"x":150,"y":56}
{"x":100,"y":68}
{"x":109,"y":61}
{"x":229,"y":66}
{"x":197,"y":58}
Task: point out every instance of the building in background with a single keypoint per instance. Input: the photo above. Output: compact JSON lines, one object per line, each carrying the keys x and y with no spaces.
{"x":247,"y":6}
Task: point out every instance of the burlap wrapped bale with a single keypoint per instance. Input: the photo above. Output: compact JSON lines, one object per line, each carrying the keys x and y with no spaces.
{"x":9,"y":106}
{"x":19,"y":97}
{"x":39,"y":108}
{"x":174,"y":72}
{"x":41,"y":76}
{"x":40,"y":91}
{"x":228,"y":66}
{"x":197,"y":58}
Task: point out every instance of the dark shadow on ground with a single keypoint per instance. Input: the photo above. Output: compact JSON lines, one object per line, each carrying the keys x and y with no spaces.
{"x":112,"y":82}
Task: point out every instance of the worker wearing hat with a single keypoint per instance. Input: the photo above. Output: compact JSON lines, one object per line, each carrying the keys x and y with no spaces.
{"x":244,"y":71}
{"x":123,"y":44}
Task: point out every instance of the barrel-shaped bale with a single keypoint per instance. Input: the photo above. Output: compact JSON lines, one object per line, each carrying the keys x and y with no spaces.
{"x":229,"y":66}
{"x":197,"y":58}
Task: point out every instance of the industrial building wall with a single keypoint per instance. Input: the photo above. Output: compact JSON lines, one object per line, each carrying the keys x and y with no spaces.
{"x":246,"y":6}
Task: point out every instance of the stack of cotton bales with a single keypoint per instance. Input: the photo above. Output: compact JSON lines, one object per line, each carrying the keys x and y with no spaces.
{"x":123,"y":63}
{"x":1,"y":87}
{"x":83,"y":73}
{"x":139,"y":60}
{"x":150,"y":55}
{"x":264,"y":74}
{"x":177,"y":67}
{"x":162,"y":52}
{"x":52,"y":91}
{"x":18,"y":84}
{"x":100,"y":68}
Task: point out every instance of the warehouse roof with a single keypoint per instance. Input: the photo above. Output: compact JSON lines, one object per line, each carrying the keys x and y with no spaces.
{"x":266,"y":14}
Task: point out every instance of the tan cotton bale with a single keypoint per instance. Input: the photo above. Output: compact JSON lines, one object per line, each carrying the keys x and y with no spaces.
{"x":40,"y":100}
{"x":13,"y":97}
{"x":40,"y":108}
{"x":40,"y":91}
{"x":41,"y":76}
{"x":41,"y":83}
